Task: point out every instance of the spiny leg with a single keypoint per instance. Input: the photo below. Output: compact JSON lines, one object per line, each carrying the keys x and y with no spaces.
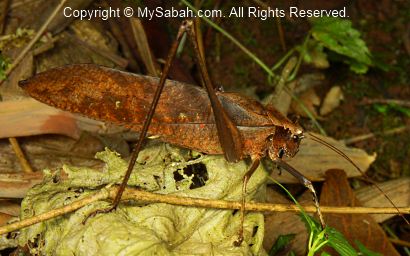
{"x":138,"y":146}
{"x":246,"y":177}
{"x":307,"y":183}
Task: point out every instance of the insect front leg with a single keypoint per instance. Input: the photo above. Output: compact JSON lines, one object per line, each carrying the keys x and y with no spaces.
{"x":307,"y":183}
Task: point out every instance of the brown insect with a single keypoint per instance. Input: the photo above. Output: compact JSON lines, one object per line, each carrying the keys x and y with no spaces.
{"x":208,"y":121}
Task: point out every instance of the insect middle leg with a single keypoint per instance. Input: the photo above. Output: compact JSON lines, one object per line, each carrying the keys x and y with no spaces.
{"x":246,"y":177}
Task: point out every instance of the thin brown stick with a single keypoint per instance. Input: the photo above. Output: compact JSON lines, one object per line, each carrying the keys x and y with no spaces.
{"x":281,"y":33}
{"x":399,"y":242}
{"x":103,"y":194}
{"x":374,"y":134}
{"x":149,"y":197}
{"x":20,"y":155}
{"x":404,"y":103}
{"x":33,"y":40}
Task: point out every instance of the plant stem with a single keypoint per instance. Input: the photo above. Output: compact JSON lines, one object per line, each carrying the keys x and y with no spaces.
{"x":301,"y":55}
{"x":283,"y":59}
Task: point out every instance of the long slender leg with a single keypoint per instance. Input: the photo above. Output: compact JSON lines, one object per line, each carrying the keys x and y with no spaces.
{"x":137,"y":148}
{"x":307,"y":183}
{"x":246,"y":177}
{"x":229,"y":136}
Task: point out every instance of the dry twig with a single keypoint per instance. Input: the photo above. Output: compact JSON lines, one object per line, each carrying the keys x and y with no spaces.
{"x":372,"y":135}
{"x":148,"y":197}
{"x":403,"y":103}
{"x":20,"y":155}
{"x":399,"y":242}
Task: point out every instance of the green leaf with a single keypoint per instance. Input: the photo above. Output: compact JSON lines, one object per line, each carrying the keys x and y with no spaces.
{"x":384,"y":109}
{"x":338,"y":242}
{"x":339,"y":36}
{"x":366,"y":251}
{"x":401,"y":109}
{"x":325,"y":254}
{"x":281,"y":243}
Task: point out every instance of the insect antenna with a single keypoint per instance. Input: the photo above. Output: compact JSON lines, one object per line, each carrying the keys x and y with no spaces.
{"x":339,"y":152}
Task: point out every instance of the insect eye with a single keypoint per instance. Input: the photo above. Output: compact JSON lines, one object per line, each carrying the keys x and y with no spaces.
{"x":281,"y":152}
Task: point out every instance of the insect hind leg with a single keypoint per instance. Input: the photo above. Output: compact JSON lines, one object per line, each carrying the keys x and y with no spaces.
{"x":184,"y":27}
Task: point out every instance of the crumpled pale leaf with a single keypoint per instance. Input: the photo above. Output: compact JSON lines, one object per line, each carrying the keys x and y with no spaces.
{"x":135,"y":228}
{"x":332,"y":100}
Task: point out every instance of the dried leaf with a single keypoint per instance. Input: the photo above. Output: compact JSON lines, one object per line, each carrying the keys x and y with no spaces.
{"x":9,"y":207}
{"x":306,"y":81}
{"x":4,"y":218}
{"x":362,"y":227}
{"x":332,"y":100}
{"x":397,"y":190}
{"x":29,"y":117}
{"x":94,"y":34}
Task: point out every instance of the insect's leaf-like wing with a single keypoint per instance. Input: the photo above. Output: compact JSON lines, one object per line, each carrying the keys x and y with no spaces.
{"x":229,"y":135}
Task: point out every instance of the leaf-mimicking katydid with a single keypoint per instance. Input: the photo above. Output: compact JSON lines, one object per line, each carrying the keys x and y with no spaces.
{"x":178,"y":113}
